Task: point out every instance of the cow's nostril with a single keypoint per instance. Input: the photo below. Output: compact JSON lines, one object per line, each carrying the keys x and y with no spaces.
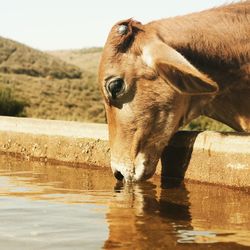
{"x":118,"y":175}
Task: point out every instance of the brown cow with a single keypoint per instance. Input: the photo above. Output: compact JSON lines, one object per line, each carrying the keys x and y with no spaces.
{"x":157,"y":77}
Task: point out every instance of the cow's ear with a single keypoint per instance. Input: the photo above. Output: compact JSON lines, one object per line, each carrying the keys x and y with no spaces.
{"x":177,"y":71}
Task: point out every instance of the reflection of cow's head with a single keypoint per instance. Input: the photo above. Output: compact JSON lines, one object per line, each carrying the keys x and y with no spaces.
{"x":147,"y":86}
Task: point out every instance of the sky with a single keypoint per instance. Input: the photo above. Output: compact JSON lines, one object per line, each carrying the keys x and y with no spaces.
{"x":75,"y":24}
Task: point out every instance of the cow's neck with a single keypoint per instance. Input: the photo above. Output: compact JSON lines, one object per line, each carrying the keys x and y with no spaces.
{"x":232,"y":109}
{"x":198,"y":40}
{"x":206,"y":40}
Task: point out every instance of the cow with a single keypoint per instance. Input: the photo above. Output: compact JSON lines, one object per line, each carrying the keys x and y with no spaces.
{"x":157,"y":77}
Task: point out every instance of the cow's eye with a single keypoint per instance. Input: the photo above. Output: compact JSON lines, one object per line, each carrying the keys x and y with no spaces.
{"x":115,"y":87}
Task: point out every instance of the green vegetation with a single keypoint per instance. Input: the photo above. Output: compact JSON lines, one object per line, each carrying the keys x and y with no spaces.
{"x":205,"y":123}
{"x":9,"y":105}
{"x":58,"y":85}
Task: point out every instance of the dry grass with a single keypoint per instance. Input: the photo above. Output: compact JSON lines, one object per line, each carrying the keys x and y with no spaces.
{"x":20,"y":59}
{"x":52,"y":88}
{"x":63,"y":99}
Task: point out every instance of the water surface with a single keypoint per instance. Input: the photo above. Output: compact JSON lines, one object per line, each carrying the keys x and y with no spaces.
{"x":59,"y":207}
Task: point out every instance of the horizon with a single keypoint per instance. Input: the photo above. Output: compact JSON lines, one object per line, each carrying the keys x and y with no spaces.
{"x":68,"y":25}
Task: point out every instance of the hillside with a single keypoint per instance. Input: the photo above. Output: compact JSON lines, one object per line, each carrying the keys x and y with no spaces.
{"x":86,"y":59}
{"x":50,"y":87}
{"x":20,"y":59}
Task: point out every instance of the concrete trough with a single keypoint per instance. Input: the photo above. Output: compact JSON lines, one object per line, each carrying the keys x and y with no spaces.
{"x":211,"y":157}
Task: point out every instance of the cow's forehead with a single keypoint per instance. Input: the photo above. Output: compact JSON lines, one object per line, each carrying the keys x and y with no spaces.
{"x":116,"y":63}
{"x":124,"y":65}
{"x":122,"y":48}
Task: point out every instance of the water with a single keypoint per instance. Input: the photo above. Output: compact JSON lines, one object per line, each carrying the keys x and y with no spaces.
{"x":59,"y":207}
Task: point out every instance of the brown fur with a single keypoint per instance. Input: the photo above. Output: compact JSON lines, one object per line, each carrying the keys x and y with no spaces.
{"x":203,"y":57}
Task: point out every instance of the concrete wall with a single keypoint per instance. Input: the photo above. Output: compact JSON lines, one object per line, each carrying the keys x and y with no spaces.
{"x":218,"y":158}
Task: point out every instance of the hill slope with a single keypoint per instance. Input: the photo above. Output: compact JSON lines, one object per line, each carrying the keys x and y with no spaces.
{"x":20,"y":59}
{"x":52,"y":88}
{"x":86,"y":59}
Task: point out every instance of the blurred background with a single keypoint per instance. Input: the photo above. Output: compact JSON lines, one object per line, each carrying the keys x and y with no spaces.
{"x":50,"y":50}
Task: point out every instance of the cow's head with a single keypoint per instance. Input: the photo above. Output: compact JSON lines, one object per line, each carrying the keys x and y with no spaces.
{"x":146,"y":85}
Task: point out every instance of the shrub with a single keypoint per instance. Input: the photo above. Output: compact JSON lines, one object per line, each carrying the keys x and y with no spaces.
{"x":10,"y":106}
{"x":204,"y":123}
